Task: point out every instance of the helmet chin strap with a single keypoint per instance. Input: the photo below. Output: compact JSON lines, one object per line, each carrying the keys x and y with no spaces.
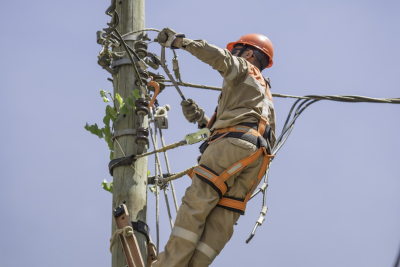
{"x":242,"y":50}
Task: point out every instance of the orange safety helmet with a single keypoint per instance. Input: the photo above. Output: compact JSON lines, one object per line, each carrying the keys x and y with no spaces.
{"x":258,"y":41}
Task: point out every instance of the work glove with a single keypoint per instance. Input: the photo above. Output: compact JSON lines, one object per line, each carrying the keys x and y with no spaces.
{"x":167,"y":36}
{"x":192,"y":111}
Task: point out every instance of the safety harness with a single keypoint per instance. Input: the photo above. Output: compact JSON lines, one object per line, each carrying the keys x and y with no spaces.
{"x":257,"y":134}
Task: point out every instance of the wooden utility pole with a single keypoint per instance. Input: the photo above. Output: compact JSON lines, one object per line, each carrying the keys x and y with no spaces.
{"x":130,"y":182}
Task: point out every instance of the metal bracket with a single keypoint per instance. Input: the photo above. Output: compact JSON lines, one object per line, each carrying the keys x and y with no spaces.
{"x":199,"y":136}
{"x":131,"y":37}
{"x":122,"y":61}
{"x":142,"y":227}
{"x":127,"y":61}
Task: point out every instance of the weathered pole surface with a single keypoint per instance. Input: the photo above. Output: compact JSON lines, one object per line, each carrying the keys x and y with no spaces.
{"x":130,"y":184}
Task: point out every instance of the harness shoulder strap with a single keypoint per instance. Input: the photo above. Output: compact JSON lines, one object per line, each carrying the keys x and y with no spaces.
{"x":212,"y":120}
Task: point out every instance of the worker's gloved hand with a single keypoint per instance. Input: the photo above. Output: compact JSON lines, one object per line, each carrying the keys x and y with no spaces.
{"x":167,"y":36}
{"x":192,"y":111}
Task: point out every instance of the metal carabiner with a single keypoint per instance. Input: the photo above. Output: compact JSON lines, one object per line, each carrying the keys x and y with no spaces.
{"x":199,"y":136}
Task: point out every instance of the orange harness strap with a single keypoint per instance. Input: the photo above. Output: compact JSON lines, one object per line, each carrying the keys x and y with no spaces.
{"x":262,"y":126}
{"x":240,"y":206}
{"x":218,"y":181}
{"x":211,"y":121}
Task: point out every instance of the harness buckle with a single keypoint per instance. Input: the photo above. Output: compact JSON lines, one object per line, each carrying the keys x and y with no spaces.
{"x":199,"y":136}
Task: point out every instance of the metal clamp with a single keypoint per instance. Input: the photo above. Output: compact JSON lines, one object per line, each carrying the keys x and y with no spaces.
{"x":161,"y":116}
{"x":201,"y":135}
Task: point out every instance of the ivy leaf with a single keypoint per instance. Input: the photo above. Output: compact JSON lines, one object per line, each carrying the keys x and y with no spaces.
{"x":103,"y":93}
{"x":111,"y":112}
{"x":111,"y":155}
{"x":94,"y":129}
{"x":107,"y":187}
{"x":110,"y":144}
{"x":124,"y":109}
{"x":153,"y":189}
{"x":129,"y":101}
{"x":107,"y":131}
{"x":108,"y":137}
{"x":120,"y":100}
{"x":136,"y":93}
{"x":99,"y":132}
{"x":106,"y":120}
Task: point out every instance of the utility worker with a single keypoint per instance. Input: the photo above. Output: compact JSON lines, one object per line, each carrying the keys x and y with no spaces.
{"x":234,"y":158}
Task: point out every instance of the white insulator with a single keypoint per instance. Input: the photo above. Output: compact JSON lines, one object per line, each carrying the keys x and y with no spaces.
{"x":264,"y":210}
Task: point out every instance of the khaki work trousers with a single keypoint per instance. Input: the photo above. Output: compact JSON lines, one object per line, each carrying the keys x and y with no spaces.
{"x":201,"y":227}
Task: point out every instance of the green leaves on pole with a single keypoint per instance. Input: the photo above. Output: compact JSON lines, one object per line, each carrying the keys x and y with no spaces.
{"x":153,"y":189}
{"x":107,"y":187}
{"x":122,"y":106}
{"x":106,"y":120}
{"x":120,"y":99}
{"x":103,"y":94}
{"x":136,"y":93}
{"x":108,"y":137}
{"x":129,"y":101}
{"x":94,"y":129}
{"x":111,"y":115}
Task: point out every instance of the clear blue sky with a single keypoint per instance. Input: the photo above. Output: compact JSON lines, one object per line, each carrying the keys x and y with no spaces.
{"x":334,"y":194}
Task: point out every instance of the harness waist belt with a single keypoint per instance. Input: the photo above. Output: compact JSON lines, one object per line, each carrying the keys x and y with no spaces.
{"x":243,"y":132}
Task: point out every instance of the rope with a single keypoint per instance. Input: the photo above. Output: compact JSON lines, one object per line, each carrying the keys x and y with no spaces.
{"x":157,"y":190}
{"x":163,"y":149}
{"x":178,"y":175}
{"x":126,"y":231}
{"x":159,"y":167}
{"x":169,"y":170}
